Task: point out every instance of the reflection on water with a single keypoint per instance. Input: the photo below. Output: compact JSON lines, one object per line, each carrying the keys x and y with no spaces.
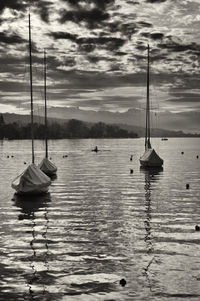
{"x":100,"y":224}
{"x":37,"y":227}
{"x":151,"y":175}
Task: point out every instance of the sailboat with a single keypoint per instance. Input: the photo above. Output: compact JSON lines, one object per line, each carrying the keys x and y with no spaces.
{"x":150,"y":158}
{"x":46,"y":166}
{"x":32,"y":180}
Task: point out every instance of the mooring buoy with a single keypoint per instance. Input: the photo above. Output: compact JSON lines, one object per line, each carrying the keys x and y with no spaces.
{"x":122,"y":282}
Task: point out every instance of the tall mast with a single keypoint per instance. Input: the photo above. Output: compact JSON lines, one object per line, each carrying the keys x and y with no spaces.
{"x":31,"y":89}
{"x":147,"y":132}
{"x":45,"y":103}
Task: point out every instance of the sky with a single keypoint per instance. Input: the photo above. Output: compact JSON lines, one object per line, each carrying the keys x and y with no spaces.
{"x":97,"y":56}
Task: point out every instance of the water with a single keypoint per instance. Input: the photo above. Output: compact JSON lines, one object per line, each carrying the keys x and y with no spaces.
{"x":100,"y":224}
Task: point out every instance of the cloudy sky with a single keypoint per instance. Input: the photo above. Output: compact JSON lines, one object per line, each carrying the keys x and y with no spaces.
{"x":96,"y":53}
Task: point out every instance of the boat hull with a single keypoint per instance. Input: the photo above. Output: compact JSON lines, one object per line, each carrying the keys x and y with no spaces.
{"x":151,"y":159}
{"x":37,"y":191}
{"x":150,"y":164}
{"x":48,"y":168}
{"x":31,"y":182}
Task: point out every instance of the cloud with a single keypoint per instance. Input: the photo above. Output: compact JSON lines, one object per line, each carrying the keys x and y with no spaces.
{"x":63,"y":35}
{"x":93,"y":18}
{"x":12,"y":4}
{"x":155,"y":1}
{"x":153,"y":36}
{"x":10,"y":38}
{"x":101,"y":4}
{"x":109,"y":43}
{"x":88,"y":44}
{"x":145,"y":24}
{"x":43,"y":9}
{"x":174,"y":46}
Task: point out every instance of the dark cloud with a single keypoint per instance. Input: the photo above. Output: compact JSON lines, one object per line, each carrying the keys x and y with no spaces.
{"x":63,"y":35}
{"x":174,"y":46}
{"x":126,"y":29}
{"x":87,"y":47}
{"x":157,"y":36}
{"x":101,"y":4}
{"x":10,"y":39}
{"x":153,"y":36}
{"x":180,"y":96}
{"x":145,"y":24}
{"x":108,"y":43}
{"x":190,"y":98}
{"x":131,"y":2}
{"x":44,"y":10}
{"x":155,"y":1}
{"x":11,"y":86}
{"x":92,"y":12}
{"x":120,"y":53}
{"x":141,"y":47}
{"x":93,"y":18}
{"x":94,"y":59}
{"x":12,"y":4}
{"x":88,"y":44}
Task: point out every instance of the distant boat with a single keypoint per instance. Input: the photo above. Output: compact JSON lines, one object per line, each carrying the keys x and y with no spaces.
{"x":150,"y":158}
{"x":164,"y":139}
{"x":46,"y":165}
{"x":32,"y":180}
{"x":95,"y":149}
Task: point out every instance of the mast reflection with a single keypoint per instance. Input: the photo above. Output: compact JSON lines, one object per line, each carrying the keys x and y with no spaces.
{"x":31,"y":208}
{"x":152,"y":175}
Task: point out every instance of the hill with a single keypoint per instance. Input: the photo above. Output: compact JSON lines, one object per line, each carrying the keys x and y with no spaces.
{"x":140,"y":131}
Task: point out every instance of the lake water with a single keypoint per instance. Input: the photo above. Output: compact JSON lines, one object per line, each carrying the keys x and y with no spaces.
{"x":100,"y":223}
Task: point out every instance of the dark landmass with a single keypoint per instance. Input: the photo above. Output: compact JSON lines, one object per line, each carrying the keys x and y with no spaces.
{"x":160,"y":133}
{"x":68,"y":130}
{"x":22,"y":121}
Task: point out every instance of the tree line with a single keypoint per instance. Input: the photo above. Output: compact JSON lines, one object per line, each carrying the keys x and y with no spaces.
{"x":68,"y":130}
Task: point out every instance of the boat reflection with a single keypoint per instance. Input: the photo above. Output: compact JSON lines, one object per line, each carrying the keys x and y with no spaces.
{"x":152,"y":175}
{"x":34,"y":211}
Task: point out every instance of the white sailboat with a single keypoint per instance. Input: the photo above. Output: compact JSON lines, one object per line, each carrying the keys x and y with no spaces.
{"x":150,"y":158}
{"x":46,"y":165}
{"x":32,"y":180}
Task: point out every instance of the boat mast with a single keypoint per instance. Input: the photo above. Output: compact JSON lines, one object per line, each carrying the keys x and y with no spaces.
{"x":45,"y":102}
{"x":31,"y":89}
{"x":147,"y":132}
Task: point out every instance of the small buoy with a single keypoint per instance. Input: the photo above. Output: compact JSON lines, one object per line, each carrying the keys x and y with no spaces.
{"x":182,"y":153}
{"x":197,"y":157}
{"x":187,"y":186}
{"x":7,"y":156}
{"x":197,"y":228}
{"x":131,"y":158}
{"x":24,"y":162}
{"x":12,"y":156}
{"x":131,"y":170}
{"x":20,"y":217}
{"x":122,"y":282}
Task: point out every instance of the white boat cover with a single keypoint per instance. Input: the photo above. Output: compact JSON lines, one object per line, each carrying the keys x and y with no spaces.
{"x":32,"y":181}
{"x":151,"y":159}
{"x":47,"y":167}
